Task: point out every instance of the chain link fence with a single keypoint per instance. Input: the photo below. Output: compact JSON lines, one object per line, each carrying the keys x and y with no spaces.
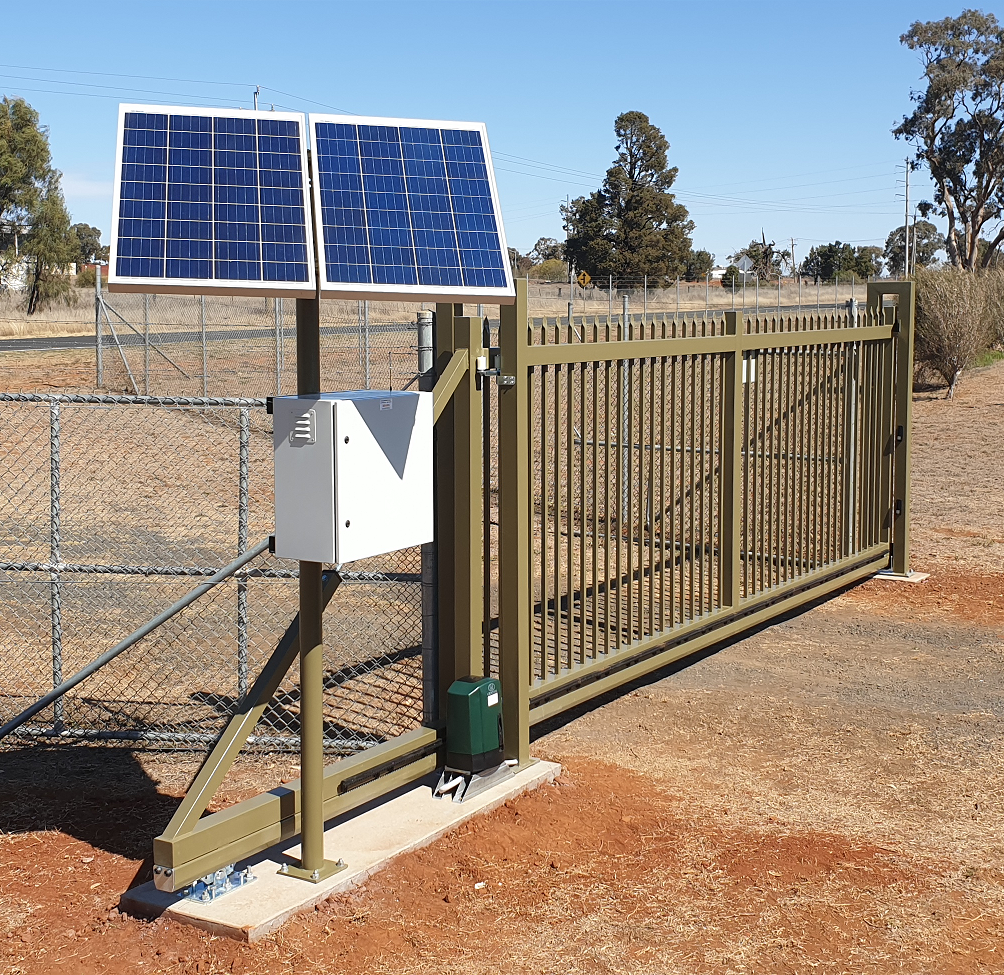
{"x":170,"y":345}
{"x":116,"y":507}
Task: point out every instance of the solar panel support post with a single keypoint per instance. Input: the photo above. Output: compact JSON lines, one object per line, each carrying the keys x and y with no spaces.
{"x":313,"y":867}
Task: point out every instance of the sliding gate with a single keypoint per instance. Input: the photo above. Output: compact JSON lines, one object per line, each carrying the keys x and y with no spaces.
{"x":663,"y":486}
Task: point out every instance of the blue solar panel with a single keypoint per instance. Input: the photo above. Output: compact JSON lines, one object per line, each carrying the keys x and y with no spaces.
{"x":407,"y":208}
{"x":210,"y":201}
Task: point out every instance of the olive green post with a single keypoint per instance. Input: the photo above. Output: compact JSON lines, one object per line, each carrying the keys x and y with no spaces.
{"x":514,"y":528}
{"x":446,"y":534}
{"x":313,"y":866}
{"x":902,"y":411}
{"x":732,"y":445}
{"x":468,"y":507}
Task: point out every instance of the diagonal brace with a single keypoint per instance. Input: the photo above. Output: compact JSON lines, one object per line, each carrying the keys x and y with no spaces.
{"x":448,"y":381}
{"x":237,"y":732}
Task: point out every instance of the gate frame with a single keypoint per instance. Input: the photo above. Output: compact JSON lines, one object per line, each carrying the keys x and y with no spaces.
{"x":529,"y":702}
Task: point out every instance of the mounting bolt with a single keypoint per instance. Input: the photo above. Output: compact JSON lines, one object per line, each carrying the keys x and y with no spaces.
{"x":339,"y":862}
{"x":347,"y":522}
{"x":346,"y":439}
{"x":316,"y":875}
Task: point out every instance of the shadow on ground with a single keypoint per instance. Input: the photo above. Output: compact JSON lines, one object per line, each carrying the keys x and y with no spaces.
{"x":101,"y":796}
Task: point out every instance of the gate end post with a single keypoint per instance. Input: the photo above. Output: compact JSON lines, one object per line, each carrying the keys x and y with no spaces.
{"x":514,"y":528}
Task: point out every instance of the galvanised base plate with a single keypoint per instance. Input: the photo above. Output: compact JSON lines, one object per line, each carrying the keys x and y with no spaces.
{"x":327,"y":869}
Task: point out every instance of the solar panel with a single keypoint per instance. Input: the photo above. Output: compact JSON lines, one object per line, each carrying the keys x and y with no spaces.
{"x":211,"y":201}
{"x":407,"y":209}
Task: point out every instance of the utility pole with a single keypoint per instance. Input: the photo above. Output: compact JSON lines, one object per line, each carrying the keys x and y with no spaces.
{"x":914,"y":241}
{"x":257,"y":91}
{"x":906,"y":225}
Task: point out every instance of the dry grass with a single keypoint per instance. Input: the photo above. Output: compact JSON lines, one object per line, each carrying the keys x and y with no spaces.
{"x":544,"y":300}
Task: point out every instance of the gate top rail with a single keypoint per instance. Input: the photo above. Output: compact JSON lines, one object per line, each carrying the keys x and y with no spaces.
{"x":107,"y":400}
{"x":767,"y":326}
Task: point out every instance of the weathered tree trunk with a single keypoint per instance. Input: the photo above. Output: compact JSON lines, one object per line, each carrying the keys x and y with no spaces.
{"x":956,"y":376}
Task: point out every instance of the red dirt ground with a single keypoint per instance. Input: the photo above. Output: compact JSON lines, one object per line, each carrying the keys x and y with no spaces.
{"x":826,"y":795}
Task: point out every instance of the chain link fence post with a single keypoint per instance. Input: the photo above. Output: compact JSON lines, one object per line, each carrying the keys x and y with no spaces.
{"x":55,"y":557}
{"x":98,"y":355}
{"x":242,"y":544}
{"x":205,"y":350}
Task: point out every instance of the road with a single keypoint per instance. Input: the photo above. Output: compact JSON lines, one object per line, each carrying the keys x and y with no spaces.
{"x":128,"y":337}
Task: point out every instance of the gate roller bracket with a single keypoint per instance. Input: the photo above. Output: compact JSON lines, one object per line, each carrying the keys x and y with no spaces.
{"x":483,"y":370}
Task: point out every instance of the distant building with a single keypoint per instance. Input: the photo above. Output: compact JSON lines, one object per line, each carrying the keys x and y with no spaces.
{"x":13,"y":276}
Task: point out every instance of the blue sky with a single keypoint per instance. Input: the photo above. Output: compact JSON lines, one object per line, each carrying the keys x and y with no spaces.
{"x":778,"y":114}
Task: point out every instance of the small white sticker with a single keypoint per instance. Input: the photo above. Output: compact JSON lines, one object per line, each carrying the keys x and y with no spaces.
{"x":386,"y":404}
{"x":493,"y":699}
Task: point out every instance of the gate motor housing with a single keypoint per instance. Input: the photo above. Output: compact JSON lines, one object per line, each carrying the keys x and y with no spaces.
{"x":353,"y":474}
{"x":474,"y":725}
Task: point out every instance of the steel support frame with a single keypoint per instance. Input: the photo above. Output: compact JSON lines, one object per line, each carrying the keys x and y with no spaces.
{"x":194,"y":844}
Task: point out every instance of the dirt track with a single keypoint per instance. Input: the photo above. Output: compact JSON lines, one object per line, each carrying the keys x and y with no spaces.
{"x":826,"y":795}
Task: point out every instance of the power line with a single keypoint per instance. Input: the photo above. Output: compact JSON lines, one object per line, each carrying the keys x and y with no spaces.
{"x":107,"y":74}
{"x":89,"y":84}
{"x":218,"y":103}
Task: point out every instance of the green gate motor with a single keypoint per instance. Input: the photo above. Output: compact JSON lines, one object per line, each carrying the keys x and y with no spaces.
{"x":474,"y":724}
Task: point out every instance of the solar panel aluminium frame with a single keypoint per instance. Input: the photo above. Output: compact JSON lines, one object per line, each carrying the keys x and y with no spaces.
{"x":217,"y":286}
{"x":404,"y":292}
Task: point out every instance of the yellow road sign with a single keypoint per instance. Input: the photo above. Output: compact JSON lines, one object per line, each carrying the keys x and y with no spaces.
{"x":583,"y":279}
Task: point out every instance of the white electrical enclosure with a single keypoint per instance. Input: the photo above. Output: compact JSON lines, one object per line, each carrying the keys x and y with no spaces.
{"x":353,"y":474}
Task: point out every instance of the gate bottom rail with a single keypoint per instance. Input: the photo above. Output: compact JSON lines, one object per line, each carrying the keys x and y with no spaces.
{"x":573,"y":687}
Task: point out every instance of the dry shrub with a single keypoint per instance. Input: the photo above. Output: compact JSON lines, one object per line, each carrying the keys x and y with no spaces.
{"x":953,"y":321}
{"x":994,"y":279}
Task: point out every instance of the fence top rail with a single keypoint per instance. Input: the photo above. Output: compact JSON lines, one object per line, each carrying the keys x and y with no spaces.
{"x":599,"y":329}
{"x":107,"y":400}
{"x":567,"y":353}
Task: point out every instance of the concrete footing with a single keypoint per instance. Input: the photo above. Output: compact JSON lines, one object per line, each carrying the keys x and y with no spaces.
{"x":366,"y":840}
{"x":889,"y":576}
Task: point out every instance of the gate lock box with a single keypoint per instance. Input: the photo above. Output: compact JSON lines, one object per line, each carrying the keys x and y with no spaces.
{"x":474,"y":724}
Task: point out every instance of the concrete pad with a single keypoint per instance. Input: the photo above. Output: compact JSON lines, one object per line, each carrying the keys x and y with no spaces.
{"x":911,"y":577}
{"x":367,"y":841}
